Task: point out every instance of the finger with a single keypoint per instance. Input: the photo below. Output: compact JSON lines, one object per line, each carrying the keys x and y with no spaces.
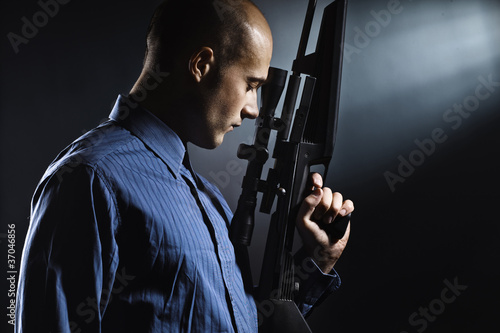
{"x":309,"y":204}
{"x":320,"y":212}
{"x":347,"y":208}
{"x":337,"y":203}
{"x":316,"y":180}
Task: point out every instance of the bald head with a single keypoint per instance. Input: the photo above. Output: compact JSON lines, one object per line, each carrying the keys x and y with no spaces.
{"x":258,"y":36}
{"x":231,"y":28}
{"x":217,"y":54}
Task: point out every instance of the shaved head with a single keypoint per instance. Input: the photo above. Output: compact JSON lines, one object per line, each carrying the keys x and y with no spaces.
{"x":217,"y":54}
{"x":179,"y":28}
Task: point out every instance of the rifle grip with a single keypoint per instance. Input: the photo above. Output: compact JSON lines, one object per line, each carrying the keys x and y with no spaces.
{"x":337,"y":229}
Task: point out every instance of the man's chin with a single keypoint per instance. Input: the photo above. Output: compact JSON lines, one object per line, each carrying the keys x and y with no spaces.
{"x":209,"y":143}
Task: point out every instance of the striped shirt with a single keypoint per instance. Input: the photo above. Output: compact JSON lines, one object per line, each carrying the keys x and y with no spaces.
{"x":126,"y":237}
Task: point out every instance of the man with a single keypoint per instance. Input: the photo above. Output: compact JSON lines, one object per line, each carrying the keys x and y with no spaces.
{"x":125,"y":236}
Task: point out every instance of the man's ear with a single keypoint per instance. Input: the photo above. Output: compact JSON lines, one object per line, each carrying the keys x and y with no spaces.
{"x":201,"y":62}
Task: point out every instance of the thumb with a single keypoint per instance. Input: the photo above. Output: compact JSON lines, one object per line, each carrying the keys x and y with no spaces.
{"x":309,"y":204}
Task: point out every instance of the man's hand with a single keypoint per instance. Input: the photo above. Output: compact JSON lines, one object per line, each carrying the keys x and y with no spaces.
{"x":322,"y":207}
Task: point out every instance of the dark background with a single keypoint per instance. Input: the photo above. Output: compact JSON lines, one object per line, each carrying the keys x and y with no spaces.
{"x":440,"y":224}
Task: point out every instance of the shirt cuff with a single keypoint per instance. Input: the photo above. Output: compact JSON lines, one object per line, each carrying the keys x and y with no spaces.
{"x":314,"y":285}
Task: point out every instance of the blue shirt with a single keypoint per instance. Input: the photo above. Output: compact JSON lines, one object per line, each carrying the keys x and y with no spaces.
{"x":126,"y":237}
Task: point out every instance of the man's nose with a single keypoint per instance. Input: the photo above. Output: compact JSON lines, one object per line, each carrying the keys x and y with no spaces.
{"x":251,"y":109}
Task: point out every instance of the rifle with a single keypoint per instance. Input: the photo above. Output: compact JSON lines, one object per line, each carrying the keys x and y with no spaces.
{"x":308,"y":142}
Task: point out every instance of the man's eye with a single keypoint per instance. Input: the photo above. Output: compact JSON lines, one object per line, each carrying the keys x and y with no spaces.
{"x":250,"y":87}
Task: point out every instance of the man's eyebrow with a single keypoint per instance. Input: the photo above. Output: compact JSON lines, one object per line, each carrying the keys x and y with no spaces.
{"x":260,"y":80}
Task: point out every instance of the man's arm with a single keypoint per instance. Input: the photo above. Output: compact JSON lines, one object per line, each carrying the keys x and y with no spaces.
{"x":322,"y":207}
{"x":70,"y":256}
{"x":315,"y":261}
{"x":315,"y":286}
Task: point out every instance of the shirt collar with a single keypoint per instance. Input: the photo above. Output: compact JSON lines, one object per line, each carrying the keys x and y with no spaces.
{"x":153,"y":132}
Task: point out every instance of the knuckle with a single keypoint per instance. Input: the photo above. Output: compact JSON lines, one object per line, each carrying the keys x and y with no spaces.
{"x":311,"y":200}
{"x":337,"y":195}
{"x":349,"y":205}
{"x":310,"y":203}
{"x":328,"y":191}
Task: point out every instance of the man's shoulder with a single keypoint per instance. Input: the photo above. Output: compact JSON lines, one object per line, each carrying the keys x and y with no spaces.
{"x":94,"y":149}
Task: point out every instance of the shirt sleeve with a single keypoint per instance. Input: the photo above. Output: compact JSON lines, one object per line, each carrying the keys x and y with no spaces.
{"x":70,"y":255}
{"x":314,"y":285}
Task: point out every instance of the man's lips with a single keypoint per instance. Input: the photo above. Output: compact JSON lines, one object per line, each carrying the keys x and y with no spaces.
{"x":233,"y":126}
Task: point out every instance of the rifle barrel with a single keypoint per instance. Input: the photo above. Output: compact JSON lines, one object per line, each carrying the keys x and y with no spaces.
{"x":306,"y":30}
